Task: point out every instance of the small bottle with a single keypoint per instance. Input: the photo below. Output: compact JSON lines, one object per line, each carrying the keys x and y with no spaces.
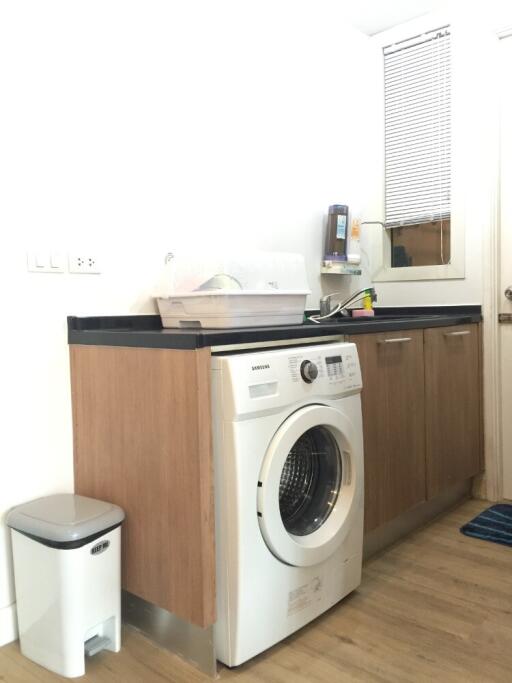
{"x":354,"y":247}
{"x":336,"y":242}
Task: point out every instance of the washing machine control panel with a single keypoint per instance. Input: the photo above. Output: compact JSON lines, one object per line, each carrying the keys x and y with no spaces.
{"x":328,"y":368}
{"x":266,"y":380}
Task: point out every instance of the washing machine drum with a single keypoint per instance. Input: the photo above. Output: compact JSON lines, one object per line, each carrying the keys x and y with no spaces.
{"x":310,"y":486}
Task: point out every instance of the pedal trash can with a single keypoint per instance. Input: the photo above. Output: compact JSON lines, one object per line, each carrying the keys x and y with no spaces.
{"x":67,"y":570}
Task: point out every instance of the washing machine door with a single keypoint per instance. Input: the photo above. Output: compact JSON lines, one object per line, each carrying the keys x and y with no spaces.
{"x":310,"y":489}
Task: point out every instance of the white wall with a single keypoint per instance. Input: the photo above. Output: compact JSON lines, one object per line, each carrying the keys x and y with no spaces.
{"x":133,"y":128}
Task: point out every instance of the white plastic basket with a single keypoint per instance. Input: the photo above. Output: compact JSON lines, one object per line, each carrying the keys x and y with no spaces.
{"x":230,"y":308}
{"x":263,"y":289}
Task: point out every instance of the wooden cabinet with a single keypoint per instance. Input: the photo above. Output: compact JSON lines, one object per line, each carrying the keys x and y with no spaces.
{"x":142,"y":439}
{"x":393,"y":400}
{"x":422,"y":415}
{"x":453,"y":416}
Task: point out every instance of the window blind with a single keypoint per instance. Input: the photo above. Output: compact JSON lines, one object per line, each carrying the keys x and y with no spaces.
{"x":417,"y":129}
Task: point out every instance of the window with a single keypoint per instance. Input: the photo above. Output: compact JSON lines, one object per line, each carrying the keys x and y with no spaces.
{"x":418,"y":149}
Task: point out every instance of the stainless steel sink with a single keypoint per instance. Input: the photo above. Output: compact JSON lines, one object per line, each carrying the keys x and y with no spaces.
{"x":382,"y":318}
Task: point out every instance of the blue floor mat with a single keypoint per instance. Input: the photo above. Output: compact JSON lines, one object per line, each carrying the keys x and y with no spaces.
{"x":493,"y":524}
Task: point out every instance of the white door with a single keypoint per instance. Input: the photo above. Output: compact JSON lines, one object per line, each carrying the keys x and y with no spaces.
{"x":505,"y":305}
{"x":311,"y":485}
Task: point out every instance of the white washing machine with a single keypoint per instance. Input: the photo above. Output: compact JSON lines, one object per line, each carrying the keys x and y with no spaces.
{"x":288,"y":454}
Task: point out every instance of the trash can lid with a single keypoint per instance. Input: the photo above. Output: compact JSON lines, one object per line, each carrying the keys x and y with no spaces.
{"x":65,"y":518}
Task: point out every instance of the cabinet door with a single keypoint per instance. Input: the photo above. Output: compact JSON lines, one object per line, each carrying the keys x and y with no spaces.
{"x":452,"y":384}
{"x":393,"y":401}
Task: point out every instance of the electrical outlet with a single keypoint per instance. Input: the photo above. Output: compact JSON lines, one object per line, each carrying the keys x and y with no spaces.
{"x":84,"y":263}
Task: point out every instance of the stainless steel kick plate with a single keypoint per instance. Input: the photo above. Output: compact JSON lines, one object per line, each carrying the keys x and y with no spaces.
{"x":192,"y":643}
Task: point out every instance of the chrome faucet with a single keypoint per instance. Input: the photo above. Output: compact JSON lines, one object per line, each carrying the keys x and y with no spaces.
{"x":325,"y":302}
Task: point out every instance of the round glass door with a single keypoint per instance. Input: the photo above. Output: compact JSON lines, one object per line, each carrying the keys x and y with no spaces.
{"x":310,"y":488}
{"x":310,"y":481}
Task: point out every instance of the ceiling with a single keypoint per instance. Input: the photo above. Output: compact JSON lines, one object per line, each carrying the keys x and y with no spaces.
{"x":373,"y":16}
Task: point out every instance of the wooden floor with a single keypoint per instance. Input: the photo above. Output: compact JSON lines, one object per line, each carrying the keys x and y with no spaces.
{"x":436,"y":607}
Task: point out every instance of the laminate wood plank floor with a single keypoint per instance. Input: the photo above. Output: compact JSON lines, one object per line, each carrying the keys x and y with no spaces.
{"x":434,"y":607}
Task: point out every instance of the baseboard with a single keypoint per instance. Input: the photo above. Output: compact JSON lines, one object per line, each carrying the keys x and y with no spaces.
{"x":8,"y":624}
{"x":192,"y":643}
{"x":422,"y":514}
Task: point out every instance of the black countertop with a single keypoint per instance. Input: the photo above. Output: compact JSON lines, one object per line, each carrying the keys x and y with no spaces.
{"x":146,"y":330}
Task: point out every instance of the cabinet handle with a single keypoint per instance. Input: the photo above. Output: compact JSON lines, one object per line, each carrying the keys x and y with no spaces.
{"x":396,"y":340}
{"x":461,"y":333}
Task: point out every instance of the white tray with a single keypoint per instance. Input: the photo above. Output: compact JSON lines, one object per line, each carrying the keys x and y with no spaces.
{"x":233,"y":308}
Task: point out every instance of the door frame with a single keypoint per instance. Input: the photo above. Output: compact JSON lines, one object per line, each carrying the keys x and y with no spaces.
{"x":490,"y":485}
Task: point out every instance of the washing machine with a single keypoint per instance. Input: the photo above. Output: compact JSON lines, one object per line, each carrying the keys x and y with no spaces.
{"x":288,"y":458}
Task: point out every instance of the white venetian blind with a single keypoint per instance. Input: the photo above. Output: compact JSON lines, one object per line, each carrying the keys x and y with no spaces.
{"x":417,"y":134}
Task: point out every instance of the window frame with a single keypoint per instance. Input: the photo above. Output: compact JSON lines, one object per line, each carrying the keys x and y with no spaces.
{"x":384,"y":272}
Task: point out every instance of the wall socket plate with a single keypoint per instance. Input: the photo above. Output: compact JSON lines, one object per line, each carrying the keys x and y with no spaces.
{"x":84,"y":263}
{"x":46,"y":262}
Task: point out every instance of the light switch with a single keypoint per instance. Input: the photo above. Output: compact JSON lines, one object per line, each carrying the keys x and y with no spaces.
{"x":45,"y":262}
{"x":57,"y":262}
{"x":41,"y":260}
